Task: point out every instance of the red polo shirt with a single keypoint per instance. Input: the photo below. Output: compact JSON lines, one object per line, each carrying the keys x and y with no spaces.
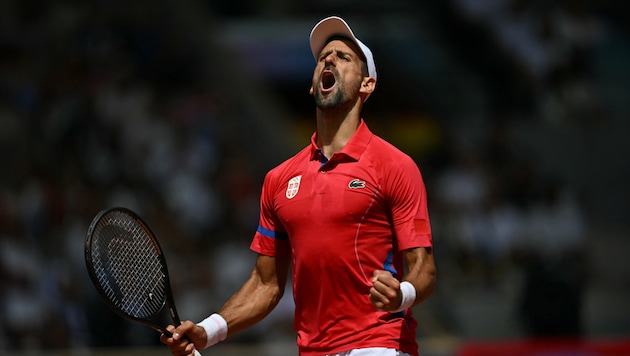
{"x":339,"y":220}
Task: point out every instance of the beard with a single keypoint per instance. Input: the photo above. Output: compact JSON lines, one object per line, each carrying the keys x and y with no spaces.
{"x":330,"y":101}
{"x":339,"y":97}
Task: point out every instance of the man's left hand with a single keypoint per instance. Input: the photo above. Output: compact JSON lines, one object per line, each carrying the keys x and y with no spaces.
{"x":385,"y":293}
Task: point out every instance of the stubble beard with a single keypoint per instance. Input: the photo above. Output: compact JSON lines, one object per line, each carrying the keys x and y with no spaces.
{"x":331,"y":101}
{"x":338,"y":99}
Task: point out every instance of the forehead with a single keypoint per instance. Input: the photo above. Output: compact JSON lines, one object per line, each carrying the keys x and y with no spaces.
{"x":343,"y":44}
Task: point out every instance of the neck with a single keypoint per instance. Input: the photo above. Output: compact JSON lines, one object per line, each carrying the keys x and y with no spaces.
{"x":336,"y":127}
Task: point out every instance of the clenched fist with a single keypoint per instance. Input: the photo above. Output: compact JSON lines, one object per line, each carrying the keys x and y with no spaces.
{"x":385,"y":293}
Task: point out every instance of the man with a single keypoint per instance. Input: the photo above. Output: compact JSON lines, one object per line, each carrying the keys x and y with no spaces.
{"x":345,"y":213}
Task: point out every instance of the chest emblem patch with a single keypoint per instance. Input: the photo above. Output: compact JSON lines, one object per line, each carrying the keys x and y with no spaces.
{"x":356,"y":184}
{"x":293,"y":187}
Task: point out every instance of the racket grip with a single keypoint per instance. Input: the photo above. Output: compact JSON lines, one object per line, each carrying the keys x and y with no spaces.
{"x":169,"y":334}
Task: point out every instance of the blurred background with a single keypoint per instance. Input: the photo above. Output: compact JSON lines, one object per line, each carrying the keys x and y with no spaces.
{"x":516,"y":112}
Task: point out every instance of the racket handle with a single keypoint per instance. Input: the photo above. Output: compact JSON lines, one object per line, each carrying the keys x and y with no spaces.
{"x":169,"y":334}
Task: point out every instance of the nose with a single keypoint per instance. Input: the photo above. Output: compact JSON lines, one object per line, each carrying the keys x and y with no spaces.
{"x":329,"y":59}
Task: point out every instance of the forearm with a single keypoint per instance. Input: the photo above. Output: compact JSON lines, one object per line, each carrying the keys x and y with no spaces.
{"x":258,"y":296}
{"x":250,"y":304}
{"x":422,"y":273}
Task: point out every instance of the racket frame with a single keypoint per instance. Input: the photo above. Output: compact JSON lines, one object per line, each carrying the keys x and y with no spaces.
{"x":169,"y":302}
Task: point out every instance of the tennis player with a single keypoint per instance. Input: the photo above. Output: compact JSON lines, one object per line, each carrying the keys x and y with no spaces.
{"x":349,"y":214}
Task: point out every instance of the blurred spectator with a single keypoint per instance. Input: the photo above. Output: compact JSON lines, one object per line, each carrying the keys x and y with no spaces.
{"x":556,"y":271}
{"x":95,"y":117}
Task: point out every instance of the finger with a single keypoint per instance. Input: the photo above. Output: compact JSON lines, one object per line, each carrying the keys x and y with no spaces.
{"x":389,"y":289}
{"x":378,"y":297}
{"x":383,"y":276}
{"x":179,"y":333}
{"x":377,"y":302}
{"x":175,"y":334}
{"x":167,"y":336}
{"x":190,"y":349}
{"x":181,"y":349}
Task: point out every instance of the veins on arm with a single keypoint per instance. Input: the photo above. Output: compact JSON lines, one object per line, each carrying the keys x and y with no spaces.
{"x":421,"y":271}
{"x":258,"y":296}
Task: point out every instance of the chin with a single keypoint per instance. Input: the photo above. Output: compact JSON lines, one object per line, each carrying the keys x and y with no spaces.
{"x":330,"y":100}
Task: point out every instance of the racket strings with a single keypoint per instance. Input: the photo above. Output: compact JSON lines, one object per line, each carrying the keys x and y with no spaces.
{"x":128,"y":266}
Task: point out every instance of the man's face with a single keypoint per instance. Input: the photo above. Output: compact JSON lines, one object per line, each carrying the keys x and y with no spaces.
{"x":338,"y":75}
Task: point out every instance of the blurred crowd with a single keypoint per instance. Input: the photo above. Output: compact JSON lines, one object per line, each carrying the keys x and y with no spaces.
{"x":100,"y":108}
{"x":536,"y":55}
{"x":496,"y":207}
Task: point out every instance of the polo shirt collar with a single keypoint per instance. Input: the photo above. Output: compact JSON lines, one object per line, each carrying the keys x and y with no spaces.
{"x":353,"y":149}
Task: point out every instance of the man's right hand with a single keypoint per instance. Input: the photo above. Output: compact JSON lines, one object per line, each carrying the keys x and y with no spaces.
{"x":184,"y":339}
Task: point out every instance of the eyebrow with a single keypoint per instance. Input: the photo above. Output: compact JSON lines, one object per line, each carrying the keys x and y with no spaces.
{"x":339,"y":52}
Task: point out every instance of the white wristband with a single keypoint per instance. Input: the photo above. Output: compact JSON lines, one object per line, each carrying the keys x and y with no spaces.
{"x":408,"y":296}
{"x":216,"y":329}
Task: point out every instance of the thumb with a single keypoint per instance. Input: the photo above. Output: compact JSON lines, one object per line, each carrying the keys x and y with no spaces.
{"x":174,"y":333}
{"x":376,"y":274}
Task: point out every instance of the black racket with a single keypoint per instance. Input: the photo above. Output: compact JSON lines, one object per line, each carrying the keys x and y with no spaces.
{"x":128,"y":269}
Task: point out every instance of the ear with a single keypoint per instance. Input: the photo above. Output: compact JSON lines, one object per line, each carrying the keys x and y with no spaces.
{"x":367,"y":86}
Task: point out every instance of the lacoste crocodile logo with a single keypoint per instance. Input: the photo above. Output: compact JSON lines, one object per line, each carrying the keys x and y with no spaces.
{"x":356,"y":184}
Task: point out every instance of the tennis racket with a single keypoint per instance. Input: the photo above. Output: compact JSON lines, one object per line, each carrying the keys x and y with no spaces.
{"x":128,"y":269}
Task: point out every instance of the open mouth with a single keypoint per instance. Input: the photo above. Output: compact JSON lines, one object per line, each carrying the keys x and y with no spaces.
{"x":328,"y":80}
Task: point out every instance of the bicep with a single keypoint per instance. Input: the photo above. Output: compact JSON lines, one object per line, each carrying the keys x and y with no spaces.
{"x":271,"y":271}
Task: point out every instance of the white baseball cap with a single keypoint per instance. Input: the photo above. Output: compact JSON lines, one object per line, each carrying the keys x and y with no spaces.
{"x":336,"y":26}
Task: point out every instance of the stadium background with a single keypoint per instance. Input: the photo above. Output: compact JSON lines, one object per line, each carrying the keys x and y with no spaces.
{"x":516,"y":112}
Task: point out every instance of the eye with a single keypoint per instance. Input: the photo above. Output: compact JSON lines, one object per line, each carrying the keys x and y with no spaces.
{"x":324,"y":55}
{"x":343,"y":56}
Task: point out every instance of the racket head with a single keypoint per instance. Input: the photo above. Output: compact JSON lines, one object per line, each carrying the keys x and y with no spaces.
{"x":128,"y":269}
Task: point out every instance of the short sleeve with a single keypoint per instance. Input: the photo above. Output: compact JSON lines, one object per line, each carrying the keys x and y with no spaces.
{"x":270,"y":238}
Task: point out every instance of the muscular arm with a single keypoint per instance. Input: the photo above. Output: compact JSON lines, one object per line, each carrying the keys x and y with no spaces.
{"x":422,"y":273}
{"x":385,"y":293}
{"x":258,"y":296}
